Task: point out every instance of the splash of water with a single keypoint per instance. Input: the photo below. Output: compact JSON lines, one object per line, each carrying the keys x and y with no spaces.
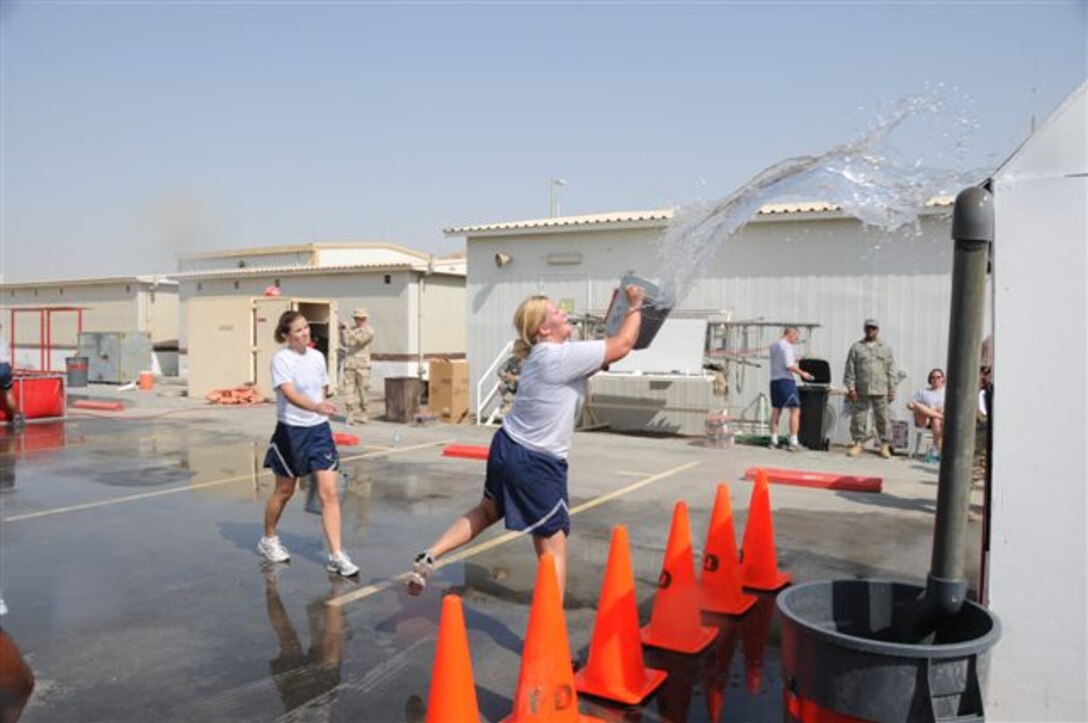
{"x":865,"y":178}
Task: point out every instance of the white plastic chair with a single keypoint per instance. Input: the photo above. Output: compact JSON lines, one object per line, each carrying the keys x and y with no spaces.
{"x":918,"y":436}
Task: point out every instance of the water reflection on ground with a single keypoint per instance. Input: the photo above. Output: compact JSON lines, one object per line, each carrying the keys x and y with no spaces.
{"x":718,"y":684}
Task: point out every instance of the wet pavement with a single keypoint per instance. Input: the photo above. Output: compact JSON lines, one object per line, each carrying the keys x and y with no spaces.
{"x":127,"y":561}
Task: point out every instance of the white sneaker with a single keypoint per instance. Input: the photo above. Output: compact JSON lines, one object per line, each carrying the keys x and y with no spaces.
{"x":422,"y":567}
{"x":273,"y":549}
{"x":342,"y":565}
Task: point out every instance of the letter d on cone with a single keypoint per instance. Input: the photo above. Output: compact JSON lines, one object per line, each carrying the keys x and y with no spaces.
{"x":546,"y":682}
{"x":675,"y":623}
{"x":615,"y":670}
{"x":720,"y":579}
{"x":759,"y":562}
{"x":453,"y":691}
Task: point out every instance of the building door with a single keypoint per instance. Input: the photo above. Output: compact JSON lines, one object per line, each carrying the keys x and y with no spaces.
{"x":219,"y":343}
{"x":266,"y":312}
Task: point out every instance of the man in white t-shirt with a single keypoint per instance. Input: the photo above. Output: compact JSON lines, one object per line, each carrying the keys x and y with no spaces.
{"x":784,"y":387}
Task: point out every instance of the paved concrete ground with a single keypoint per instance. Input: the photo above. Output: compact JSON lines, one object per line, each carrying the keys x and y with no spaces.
{"x":136,"y":594}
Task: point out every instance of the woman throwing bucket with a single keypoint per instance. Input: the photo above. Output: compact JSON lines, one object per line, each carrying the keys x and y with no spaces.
{"x":302,"y":443}
{"x":527,"y":466}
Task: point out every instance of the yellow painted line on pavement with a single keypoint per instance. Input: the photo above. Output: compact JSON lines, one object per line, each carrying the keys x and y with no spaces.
{"x":382,"y":452}
{"x":374,"y":588}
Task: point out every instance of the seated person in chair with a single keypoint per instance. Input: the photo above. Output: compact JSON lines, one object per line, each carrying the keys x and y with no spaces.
{"x":928,"y":407}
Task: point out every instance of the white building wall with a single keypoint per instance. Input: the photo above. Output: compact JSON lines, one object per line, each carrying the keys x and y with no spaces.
{"x":1038,"y":544}
{"x":368,"y":255}
{"x":288,"y":256}
{"x":443,"y":321}
{"x":830,"y":271}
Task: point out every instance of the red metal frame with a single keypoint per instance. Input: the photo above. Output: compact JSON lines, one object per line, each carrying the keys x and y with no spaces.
{"x":45,"y":331}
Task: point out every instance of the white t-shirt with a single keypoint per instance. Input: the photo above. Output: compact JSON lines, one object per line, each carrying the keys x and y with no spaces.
{"x":309,"y":375}
{"x":782,"y":358}
{"x":5,"y":351}
{"x":551,"y":390}
{"x":932,"y":398}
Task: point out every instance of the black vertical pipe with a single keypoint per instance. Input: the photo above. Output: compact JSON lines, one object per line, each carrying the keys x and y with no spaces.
{"x":973,"y":232}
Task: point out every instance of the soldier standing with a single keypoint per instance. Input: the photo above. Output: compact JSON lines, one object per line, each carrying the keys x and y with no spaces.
{"x":870,"y":380}
{"x":357,"y":341}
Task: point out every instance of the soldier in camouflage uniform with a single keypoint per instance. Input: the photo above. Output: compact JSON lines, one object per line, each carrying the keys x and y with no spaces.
{"x":870,"y":380}
{"x":508,"y":382}
{"x":357,"y":342}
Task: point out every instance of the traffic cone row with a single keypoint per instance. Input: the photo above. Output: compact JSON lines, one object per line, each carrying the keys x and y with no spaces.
{"x":546,"y":683}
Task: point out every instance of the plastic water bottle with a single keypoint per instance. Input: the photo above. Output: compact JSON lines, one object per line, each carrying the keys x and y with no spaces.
{"x":396,"y":437}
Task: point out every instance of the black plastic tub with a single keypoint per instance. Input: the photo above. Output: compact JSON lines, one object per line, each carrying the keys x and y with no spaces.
{"x":839,"y":654}
{"x":654,"y":310}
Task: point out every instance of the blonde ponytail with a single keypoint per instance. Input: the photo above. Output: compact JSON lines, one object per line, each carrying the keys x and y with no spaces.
{"x":530,"y":316}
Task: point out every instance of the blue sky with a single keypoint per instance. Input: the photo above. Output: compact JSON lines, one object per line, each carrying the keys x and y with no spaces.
{"x":133,"y":132}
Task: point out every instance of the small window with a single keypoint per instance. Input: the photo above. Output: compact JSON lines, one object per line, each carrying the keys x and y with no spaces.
{"x":61,"y":291}
{"x":388,"y":279}
{"x":276,"y":283}
{"x":199,"y":286}
{"x":35,"y":292}
{"x":128,"y":289}
{"x":235,"y":284}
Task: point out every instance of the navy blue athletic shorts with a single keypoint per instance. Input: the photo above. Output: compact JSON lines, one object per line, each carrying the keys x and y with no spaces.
{"x":298,"y":451}
{"x":5,"y":377}
{"x":784,"y":393}
{"x":529,"y":488}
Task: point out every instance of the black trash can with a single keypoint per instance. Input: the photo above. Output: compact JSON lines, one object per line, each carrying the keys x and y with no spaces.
{"x":813,"y":396}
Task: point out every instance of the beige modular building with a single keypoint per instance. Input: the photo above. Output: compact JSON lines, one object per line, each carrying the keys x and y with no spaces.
{"x":47,"y":317}
{"x":416,"y":302}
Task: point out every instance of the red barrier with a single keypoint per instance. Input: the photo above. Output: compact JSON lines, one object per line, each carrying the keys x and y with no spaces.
{"x":465,"y":450}
{"x":819,"y":480}
{"x":38,"y":396}
{"x":99,"y":404}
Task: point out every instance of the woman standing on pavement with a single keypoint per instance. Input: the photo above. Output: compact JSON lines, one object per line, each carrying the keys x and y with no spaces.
{"x":302,"y":443}
{"x":527,"y":465}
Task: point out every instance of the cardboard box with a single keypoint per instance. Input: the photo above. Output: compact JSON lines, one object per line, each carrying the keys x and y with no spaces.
{"x":448,"y":390}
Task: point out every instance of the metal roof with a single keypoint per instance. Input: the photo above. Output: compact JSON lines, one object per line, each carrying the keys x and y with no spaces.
{"x":304,"y":248}
{"x":333,"y":268}
{"x":154,"y":280}
{"x":650,"y":218}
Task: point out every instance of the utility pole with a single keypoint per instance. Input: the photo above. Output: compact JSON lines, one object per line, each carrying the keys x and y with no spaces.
{"x":553,"y":195}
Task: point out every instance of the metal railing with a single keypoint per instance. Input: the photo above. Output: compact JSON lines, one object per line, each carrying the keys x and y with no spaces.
{"x":485,"y":404}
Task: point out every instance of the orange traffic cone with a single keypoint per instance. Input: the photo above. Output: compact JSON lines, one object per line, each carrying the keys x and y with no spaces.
{"x":720,"y":579}
{"x":453,"y":691}
{"x":759,"y":563}
{"x":615,"y":670}
{"x":675,"y":623}
{"x":546,"y":683}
